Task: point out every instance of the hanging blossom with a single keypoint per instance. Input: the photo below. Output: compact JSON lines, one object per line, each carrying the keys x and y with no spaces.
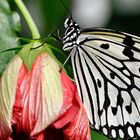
{"x":40,"y":103}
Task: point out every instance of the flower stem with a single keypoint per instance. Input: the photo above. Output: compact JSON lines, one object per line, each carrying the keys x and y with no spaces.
{"x":28,"y":19}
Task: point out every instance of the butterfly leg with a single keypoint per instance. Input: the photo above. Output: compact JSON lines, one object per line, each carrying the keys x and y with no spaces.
{"x":59,"y":38}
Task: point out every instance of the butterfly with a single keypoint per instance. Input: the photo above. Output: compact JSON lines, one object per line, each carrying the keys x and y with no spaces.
{"x":106,"y":67}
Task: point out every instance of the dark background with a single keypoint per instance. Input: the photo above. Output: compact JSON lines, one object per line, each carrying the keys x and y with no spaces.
{"x":49,"y":15}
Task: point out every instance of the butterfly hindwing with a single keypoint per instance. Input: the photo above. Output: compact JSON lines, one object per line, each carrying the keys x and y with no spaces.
{"x":107,"y":72}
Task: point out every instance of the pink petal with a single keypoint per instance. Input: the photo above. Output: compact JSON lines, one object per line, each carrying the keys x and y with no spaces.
{"x":73,"y":118}
{"x":8,"y":84}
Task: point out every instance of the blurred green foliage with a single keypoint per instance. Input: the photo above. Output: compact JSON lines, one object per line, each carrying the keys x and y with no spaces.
{"x":54,"y":13}
{"x":9,"y":24}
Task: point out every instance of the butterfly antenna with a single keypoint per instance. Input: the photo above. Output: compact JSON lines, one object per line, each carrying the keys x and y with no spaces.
{"x":62,"y":2}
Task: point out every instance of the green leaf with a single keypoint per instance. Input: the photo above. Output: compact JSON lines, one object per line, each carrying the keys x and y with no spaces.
{"x":97,"y":136}
{"x":9,"y":23}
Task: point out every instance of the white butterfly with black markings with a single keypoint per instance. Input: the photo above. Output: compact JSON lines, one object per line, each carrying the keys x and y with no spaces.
{"x":106,"y":65}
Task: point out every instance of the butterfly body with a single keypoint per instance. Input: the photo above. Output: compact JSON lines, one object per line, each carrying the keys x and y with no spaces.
{"x":71,"y":34}
{"x":106,"y":66}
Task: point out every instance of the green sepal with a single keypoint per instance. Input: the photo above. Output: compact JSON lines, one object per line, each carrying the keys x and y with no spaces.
{"x":30,"y":51}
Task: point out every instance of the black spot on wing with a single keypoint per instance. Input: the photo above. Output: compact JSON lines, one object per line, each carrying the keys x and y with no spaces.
{"x":119,"y":100}
{"x":107,"y":102}
{"x":104,"y":46}
{"x":114,"y":110}
{"x":99,"y":83}
{"x":128,"y":41}
{"x":112,"y":75}
{"x":128,"y":52}
{"x":129,"y":108}
{"x":100,"y":112}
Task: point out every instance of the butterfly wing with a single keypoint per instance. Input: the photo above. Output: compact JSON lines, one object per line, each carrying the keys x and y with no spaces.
{"x":106,"y":66}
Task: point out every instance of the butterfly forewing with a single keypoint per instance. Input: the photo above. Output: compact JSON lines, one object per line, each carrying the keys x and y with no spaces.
{"x":120,"y":37}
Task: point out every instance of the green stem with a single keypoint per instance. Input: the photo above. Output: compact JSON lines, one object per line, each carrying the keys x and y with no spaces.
{"x":28,"y":18}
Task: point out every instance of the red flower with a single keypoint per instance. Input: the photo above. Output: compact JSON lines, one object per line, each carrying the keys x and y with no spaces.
{"x":41,"y":103}
{"x":73,"y":120}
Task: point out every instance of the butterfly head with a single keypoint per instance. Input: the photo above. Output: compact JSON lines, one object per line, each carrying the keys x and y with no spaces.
{"x":71,"y":34}
{"x":69,"y":23}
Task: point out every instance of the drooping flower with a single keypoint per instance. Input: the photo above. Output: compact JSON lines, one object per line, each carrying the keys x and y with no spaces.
{"x":72,"y":120}
{"x":39,"y":102}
